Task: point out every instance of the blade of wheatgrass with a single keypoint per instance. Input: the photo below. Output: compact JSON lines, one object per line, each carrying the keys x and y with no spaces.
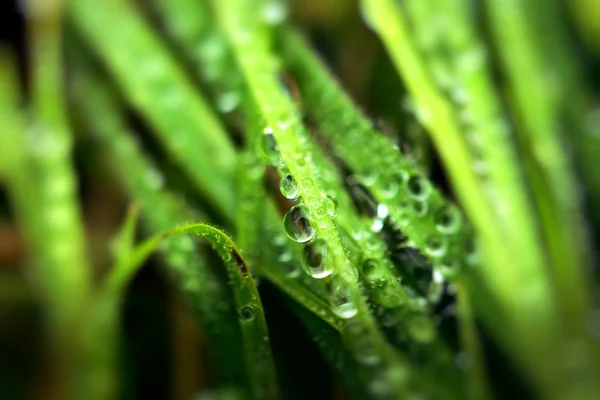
{"x":206,"y":294}
{"x":273,"y":258}
{"x":478,"y":385}
{"x":100,"y":369}
{"x":259,"y":363}
{"x":249,"y":38}
{"x":46,"y":146}
{"x":160,"y":91}
{"x":195,"y":34}
{"x":389,"y":177}
{"x":457,"y":49}
{"x":199,"y":40}
{"x":524,"y":293}
{"x":260,"y":367}
{"x":537,"y":96}
{"x":35,"y":152}
{"x":410,"y":313}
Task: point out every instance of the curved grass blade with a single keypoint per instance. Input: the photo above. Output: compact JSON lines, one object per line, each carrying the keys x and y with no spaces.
{"x":99,"y":373}
{"x":260,"y":367}
{"x":208,"y":297}
{"x":158,"y":88}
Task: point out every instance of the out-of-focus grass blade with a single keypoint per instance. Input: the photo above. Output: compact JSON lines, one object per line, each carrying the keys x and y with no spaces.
{"x":525,"y":292}
{"x":476,"y":371}
{"x":207,"y":295}
{"x":158,"y":88}
{"x":41,"y":183}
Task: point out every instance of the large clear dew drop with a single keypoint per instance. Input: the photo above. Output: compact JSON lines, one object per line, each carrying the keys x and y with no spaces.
{"x":342,"y":303}
{"x":288,"y":187}
{"x":268,"y":145}
{"x":247,"y":313}
{"x":297,"y":225}
{"x":315,"y":259}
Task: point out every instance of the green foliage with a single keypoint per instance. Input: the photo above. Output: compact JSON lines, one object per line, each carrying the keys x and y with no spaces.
{"x":222,"y":111}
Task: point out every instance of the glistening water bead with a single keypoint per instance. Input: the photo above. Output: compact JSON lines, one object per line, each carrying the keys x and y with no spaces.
{"x":331,"y":206}
{"x":448,"y":219}
{"x":288,"y":187}
{"x":342,"y":303}
{"x":247,"y":313}
{"x":315,"y":261}
{"x":297,"y":224}
{"x":269,"y":147}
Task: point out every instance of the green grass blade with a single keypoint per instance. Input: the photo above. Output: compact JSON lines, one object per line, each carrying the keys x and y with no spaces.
{"x":478,"y":385}
{"x":195,"y":34}
{"x":207,"y":295}
{"x":248,"y":36}
{"x":457,"y":49}
{"x":160,"y":91}
{"x":260,"y":366}
{"x":538,"y":96}
{"x":506,"y":284}
{"x":387,"y":176}
{"x":41,"y":184}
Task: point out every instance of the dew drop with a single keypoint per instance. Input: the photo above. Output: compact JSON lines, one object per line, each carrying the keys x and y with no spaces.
{"x":368,"y":179}
{"x":418,"y":187}
{"x":420,"y":207}
{"x":389,"y":189}
{"x":315,"y":259}
{"x":274,"y":12}
{"x":155,"y":179}
{"x":247,"y":313}
{"x":297,"y":224}
{"x":370,"y":267}
{"x":269,"y":147}
{"x":342,"y":303}
{"x":448,"y":219}
{"x":288,"y":187}
{"x":331,"y":206}
{"x":285,"y":257}
{"x":377,"y":225}
{"x":382,"y":211}
{"x":228,"y":101}
{"x":436,"y":246}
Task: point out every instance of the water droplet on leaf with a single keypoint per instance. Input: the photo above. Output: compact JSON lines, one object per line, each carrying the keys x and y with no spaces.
{"x":331,"y":206}
{"x":297,"y":224}
{"x":269,"y":147}
{"x":288,"y":187}
{"x":418,"y":187}
{"x":315,"y":259}
{"x":247,"y":313}
{"x":448,"y":219}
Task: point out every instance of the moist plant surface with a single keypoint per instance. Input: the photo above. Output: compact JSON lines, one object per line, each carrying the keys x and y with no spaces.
{"x":293,"y":199}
